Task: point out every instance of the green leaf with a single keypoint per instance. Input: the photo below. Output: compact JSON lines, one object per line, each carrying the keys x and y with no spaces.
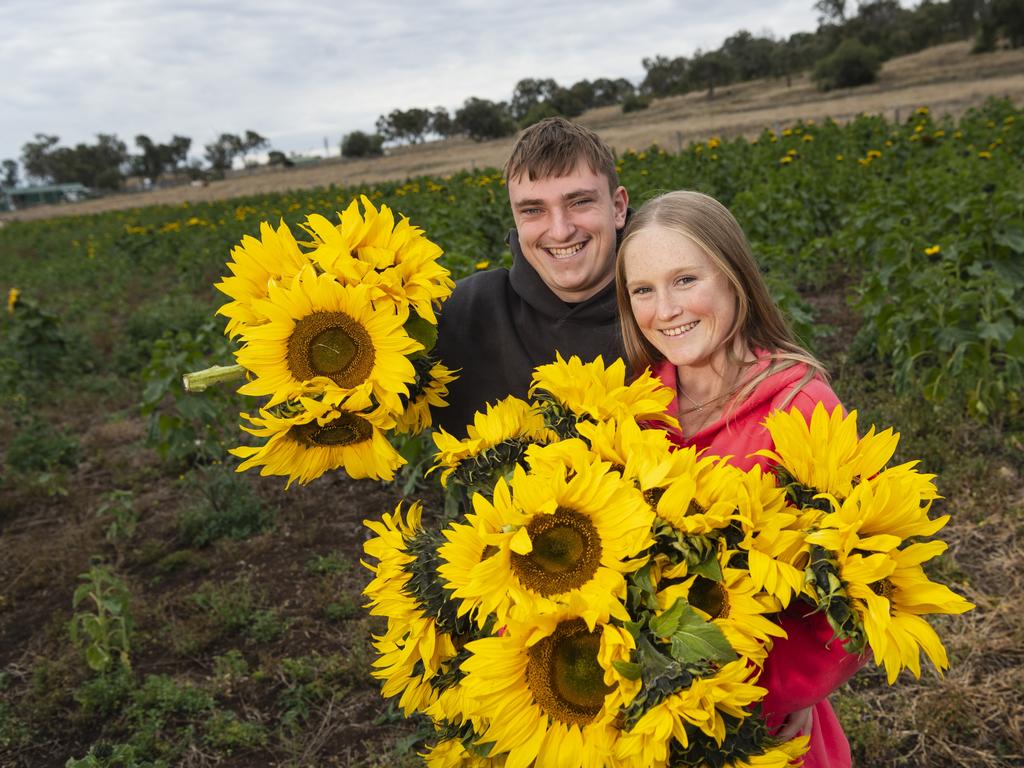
{"x":694,"y":639}
{"x":666,"y":624}
{"x":628,"y":669}
{"x":96,"y":658}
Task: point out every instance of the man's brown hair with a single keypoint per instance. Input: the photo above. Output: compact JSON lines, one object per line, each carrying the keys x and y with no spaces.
{"x":554,"y":146}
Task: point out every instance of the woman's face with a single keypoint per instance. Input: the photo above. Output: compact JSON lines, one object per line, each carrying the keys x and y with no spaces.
{"x":682,"y":302}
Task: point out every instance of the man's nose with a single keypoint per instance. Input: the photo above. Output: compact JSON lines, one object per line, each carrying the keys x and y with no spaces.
{"x":562,"y":225}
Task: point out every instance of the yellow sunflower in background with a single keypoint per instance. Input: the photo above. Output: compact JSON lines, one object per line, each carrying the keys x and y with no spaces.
{"x":12,"y":299}
{"x":319,"y":437}
{"x":550,"y":540}
{"x":321,"y":335}
{"x":413,"y":649}
{"x":701,"y":706}
{"x":591,"y":390}
{"x":826,"y":455}
{"x":392,"y":260}
{"x":549,"y":693}
{"x":429,"y":391}
{"x":497,"y":438}
{"x":256,"y":264}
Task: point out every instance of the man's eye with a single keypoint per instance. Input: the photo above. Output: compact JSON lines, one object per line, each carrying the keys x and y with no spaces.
{"x":582,"y":201}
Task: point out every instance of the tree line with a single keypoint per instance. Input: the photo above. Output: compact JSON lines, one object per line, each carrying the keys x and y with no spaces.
{"x":847,"y":49}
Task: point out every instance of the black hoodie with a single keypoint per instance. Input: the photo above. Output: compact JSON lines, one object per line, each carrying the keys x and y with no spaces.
{"x":501,"y":324}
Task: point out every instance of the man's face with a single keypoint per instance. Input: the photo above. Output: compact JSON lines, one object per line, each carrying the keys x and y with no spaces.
{"x":566,"y":227}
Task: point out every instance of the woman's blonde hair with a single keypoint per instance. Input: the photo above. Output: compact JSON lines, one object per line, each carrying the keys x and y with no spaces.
{"x":757,"y":321}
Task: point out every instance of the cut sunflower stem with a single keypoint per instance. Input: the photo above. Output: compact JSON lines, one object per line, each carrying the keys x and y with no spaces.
{"x":197,"y":381}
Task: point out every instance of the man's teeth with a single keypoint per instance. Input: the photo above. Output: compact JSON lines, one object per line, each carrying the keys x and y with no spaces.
{"x":680,"y":329}
{"x":561,"y":253}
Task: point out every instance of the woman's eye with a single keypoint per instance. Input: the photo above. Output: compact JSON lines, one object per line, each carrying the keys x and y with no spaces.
{"x":640,"y":290}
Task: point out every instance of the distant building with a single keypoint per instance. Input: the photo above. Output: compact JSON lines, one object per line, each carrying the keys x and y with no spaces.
{"x":13,"y":198}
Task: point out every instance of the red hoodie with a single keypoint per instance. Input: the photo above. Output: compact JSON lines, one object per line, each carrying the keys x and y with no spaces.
{"x":803,"y":669}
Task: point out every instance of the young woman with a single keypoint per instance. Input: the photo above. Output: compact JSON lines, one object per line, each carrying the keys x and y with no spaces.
{"x":694,"y":307}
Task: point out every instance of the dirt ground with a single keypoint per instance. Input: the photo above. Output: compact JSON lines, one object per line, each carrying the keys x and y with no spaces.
{"x":947,"y":78}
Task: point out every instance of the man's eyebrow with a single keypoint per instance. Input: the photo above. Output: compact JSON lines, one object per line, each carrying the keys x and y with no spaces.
{"x":573,"y":195}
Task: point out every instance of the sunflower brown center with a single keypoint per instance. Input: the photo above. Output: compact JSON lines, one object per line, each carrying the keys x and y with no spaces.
{"x":330,"y":344}
{"x":347,"y":429}
{"x":566,"y":553}
{"x":884,"y":588}
{"x":564,"y":675}
{"x":711,"y":597}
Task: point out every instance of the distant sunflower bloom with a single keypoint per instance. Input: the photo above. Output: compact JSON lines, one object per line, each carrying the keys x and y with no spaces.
{"x":319,"y":438}
{"x":322,"y":335}
{"x":392,"y":259}
{"x":429,"y":391}
{"x":256,"y":264}
{"x":701,"y":706}
{"x":415,"y":647}
{"x":12,"y":300}
{"x":572,"y":390}
{"x":549,"y":694}
{"x":549,"y":540}
{"x":494,"y":442}
{"x":825,"y":455}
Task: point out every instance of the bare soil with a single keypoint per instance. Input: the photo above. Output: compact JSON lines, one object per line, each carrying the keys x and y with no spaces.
{"x":947,"y":78}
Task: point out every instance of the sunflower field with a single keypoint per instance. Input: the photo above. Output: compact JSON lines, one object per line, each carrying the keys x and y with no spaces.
{"x":165,"y":610}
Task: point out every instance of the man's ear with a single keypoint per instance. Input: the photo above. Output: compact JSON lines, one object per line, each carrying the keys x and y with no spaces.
{"x":620,"y":203}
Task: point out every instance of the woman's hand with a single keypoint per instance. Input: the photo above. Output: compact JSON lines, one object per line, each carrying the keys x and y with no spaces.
{"x":798,"y":723}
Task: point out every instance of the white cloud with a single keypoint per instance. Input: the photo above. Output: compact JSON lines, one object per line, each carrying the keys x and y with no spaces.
{"x":297,"y":71}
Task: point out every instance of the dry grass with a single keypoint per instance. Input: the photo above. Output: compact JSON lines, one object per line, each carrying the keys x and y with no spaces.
{"x":947,"y":78}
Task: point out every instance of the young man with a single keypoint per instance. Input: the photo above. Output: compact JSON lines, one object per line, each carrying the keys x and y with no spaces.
{"x":559,"y":295}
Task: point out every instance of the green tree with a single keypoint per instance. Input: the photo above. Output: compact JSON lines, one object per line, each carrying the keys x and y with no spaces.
{"x":665,"y":76}
{"x":221,"y":153}
{"x":711,"y":69}
{"x":441,"y":123}
{"x":410,"y":125}
{"x":360,"y":144}
{"x":1008,"y":16}
{"x":149,"y":164}
{"x":851,"y":64}
{"x":36,"y":156}
{"x":752,"y":57}
{"x":528,"y":93}
{"x":250,"y":143}
{"x":10,"y":173}
{"x":482,"y":119}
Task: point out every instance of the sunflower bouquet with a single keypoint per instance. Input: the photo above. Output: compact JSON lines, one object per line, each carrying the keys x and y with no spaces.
{"x":598,"y":599}
{"x":335,"y":332}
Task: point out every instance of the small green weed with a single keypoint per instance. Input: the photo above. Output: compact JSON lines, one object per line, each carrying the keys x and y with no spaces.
{"x":235,"y":607}
{"x":226,"y":508}
{"x":104,"y":627}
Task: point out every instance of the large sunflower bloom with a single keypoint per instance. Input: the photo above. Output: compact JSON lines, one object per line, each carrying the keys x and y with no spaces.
{"x":701,"y":495}
{"x":495,"y":441}
{"x":549,"y":693}
{"x":393,"y":260}
{"x":414,"y":648}
{"x":825,"y":455}
{"x":595,"y":392}
{"x":730,"y":604}
{"x":549,"y":540}
{"x":273,"y":258}
{"x":638,"y":453}
{"x":452,"y":753}
{"x":320,"y":437}
{"x":701,"y":705}
{"x":889,"y":592}
{"x":323,"y":335}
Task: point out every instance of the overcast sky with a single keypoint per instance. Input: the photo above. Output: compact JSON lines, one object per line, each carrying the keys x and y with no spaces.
{"x":297,"y":72}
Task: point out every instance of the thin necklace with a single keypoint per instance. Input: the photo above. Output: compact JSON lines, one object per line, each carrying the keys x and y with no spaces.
{"x":698,"y":407}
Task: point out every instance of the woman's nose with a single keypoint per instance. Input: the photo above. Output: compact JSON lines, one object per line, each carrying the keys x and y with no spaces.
{"x":668,"y":306}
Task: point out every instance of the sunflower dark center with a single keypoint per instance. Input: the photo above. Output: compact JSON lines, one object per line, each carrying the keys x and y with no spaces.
{"x":711,"y":597}
{"x":884,"y":588}
{"x":566,"y":553}
{"x":564,"y":675}
{"x":347,"y":429}
{"x":330,"y":344}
